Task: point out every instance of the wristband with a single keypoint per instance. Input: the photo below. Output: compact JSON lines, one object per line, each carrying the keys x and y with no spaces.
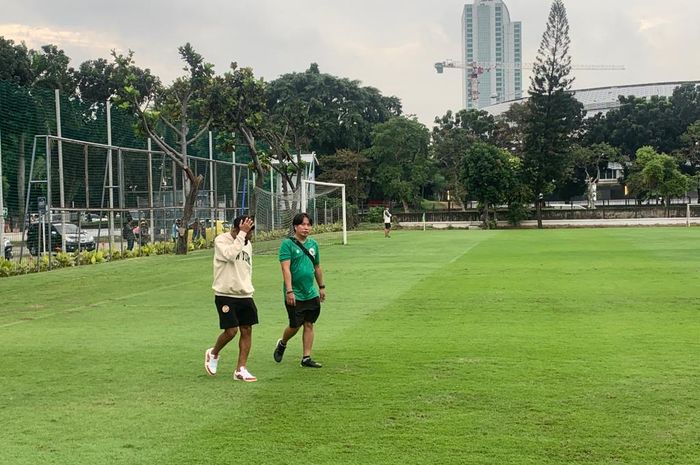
{"x":322,"y":286}
{"x":290,"y":292}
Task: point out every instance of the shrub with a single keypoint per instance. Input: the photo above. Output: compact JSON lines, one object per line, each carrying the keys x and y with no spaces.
{"x":64,"y":260}
{"x":375,"y":215}
{"x":517,"y":212}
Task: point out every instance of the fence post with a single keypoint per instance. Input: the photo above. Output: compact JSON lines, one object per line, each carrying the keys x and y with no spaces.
{"x":150,"y":193}
{"x":110,"y":176}
{"x":211,"y":181}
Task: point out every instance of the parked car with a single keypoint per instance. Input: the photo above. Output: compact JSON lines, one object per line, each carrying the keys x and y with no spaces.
{"x":75,"y":239}
{"x":7,"y":247}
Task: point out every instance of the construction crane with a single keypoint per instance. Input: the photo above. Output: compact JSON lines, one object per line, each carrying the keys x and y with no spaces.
{"x":476,"y":68}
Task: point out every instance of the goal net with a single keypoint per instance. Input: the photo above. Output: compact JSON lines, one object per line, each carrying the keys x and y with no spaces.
{"x":323,"y":202}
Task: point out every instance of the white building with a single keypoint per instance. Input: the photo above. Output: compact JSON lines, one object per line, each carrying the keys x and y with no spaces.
{"x":491,"y":49}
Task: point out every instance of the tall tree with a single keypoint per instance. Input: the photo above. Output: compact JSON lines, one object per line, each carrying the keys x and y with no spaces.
{"x":554,"y":113}
{"x":321,"y":113}
{"x":399,"y":154}
{"x":240,"y":109}
{"x":340,"y":111}
{"x":184,"y":109}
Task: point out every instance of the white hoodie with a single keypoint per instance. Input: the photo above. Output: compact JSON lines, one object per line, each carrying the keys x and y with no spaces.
{"x":233,"y":266}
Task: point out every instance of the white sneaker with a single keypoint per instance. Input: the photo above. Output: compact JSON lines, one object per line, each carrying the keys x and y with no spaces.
{"x":210,"y":362}
{"x":244,"y":375}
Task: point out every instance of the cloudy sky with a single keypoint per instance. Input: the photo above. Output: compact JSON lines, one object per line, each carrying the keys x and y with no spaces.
{"x":388,"y":44}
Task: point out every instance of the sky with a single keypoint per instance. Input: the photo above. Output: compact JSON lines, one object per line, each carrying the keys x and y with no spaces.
{"x":388,"y":44}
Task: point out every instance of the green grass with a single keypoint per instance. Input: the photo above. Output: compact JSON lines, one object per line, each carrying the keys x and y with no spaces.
{"x":440,"y":347}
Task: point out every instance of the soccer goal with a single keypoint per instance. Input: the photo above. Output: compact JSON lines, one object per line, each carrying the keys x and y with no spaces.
{"x":324,"y":202}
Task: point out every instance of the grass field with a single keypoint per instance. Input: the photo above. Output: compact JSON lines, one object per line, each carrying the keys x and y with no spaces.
{"x":445,"y":347}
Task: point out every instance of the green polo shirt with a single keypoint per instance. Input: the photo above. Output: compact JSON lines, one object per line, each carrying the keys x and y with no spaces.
{"x":301,"y":267}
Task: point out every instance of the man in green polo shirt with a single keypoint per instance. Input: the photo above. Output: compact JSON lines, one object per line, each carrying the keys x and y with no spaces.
{"x":301,"y":271}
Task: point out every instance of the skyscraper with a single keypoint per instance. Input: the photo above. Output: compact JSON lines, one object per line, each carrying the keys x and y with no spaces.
{"x":494,"y":45}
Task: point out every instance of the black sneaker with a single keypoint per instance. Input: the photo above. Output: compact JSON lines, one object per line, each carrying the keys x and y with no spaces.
{"x":310,"y":363}
{"x":279,"y":351}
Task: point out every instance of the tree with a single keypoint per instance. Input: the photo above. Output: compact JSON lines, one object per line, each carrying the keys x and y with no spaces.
{"x":452,"y":137}
{"x":184,"y":109}
{"x":554,"y":113}
{"x":15,"y":65}
{"x":340,"y":112}
{"x":51,"y":70}
{"x":97,"y":80}
{"x":488,"y":175}
{"x":321,"y":113}
{"x":509,"y":133}
{"x":655,"y":121}
{"x":240,"y":109}
{"x":349,"y":168}
{"x":15,"y":69}
{"x":588,"y":162}
{"x":656,"y":174}
{"x":399,"y":154}
{"x":689,"y":155}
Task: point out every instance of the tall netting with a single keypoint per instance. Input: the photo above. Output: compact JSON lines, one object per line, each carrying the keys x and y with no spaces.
{"x":323,"y":202}
{"x":69,"y":189}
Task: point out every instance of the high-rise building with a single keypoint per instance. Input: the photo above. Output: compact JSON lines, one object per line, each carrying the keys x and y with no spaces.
{"x":493,"y":44}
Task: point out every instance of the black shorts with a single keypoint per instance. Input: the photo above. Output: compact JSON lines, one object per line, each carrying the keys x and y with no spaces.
{"x":304,"y":310}
{"x":387,"y":225}
{"x":235,"y":312}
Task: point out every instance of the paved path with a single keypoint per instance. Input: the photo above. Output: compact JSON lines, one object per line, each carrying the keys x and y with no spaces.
{"x":612,"y":222}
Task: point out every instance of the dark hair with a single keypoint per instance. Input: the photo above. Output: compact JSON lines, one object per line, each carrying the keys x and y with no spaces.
{"x":237,"y":221}
{"x":299,"y":218}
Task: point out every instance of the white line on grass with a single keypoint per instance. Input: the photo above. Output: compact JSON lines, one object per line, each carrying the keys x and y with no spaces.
{"x":457,"y":257}
{"x":87,"y":306}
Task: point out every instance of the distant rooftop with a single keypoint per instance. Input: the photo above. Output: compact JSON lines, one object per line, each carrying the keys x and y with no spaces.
{"x":602,"y":99}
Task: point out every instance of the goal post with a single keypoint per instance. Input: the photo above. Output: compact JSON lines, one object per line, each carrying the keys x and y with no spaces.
{"x":313,"y":191}
{"x":324,"y":202}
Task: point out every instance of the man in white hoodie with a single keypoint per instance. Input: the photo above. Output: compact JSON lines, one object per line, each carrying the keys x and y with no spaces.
{"x":233,"y":288}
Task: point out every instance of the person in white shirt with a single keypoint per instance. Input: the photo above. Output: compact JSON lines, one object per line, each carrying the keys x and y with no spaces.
{"x":387,"y":222}
{"x":233,"y":288}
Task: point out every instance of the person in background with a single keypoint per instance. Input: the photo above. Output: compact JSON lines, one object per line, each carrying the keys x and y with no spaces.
{"x":196,"y":230}
{"x":128,"y":234}
{"x":143,"y":233}
{"x":387,"y":221}
{"x":174,"y":231}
